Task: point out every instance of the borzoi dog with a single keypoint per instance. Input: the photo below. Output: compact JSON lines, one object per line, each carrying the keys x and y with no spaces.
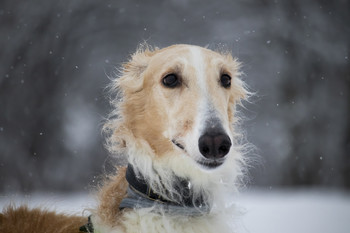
{"x":175,"y":120}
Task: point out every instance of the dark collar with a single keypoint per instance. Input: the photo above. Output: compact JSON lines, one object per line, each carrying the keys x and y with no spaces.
{"x":88,"y":227}
{"x":140,"y":186}
{"x":140,"y":195}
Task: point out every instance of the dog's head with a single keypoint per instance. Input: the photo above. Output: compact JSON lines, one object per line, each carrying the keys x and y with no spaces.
{"x":179,"y":102}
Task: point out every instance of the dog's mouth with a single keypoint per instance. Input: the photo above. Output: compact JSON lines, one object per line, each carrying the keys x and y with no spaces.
{"x":211,"y":164}
{"x":206,"y":163}
{"x":176,"y":143}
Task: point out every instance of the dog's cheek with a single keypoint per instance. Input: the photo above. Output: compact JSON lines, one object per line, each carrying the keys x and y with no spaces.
{"x":231,"y":110}
{"x":156,"y":121}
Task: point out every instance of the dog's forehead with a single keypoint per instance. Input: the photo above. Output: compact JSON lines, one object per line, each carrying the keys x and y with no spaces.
{"x":186,"y":58}
{"x":186,"y":52}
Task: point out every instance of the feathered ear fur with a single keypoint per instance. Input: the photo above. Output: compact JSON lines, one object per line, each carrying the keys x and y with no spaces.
{"x":131,"y":78}
{"x":126,"y":84}
{"x":239,"y":90}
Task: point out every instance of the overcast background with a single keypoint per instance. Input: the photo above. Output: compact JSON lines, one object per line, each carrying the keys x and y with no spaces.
{"x":55,"y":57}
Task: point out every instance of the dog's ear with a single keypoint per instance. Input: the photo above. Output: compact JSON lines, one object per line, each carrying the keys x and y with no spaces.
{"x":126,"y":87}
{"x":131,"y":79}
{"x":239,"y":90}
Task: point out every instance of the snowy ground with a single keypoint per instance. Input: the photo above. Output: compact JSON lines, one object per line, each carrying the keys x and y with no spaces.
{"x":266,"y":211}
{"x":296,"y":211}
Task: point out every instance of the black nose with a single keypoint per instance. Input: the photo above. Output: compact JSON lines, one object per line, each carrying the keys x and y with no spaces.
{"x":214,"y":144}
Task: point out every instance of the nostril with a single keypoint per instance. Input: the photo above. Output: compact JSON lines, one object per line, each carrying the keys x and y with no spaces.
{"x":214,"y":145}
{"x":205,"y":149}
{"x":205,"y":145}
{"x":223,"y":149}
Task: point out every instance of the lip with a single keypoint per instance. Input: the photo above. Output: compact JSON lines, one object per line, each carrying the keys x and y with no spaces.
{"x":176,"y":143}
{"x":206,"y":163}
{"x":211,"y":164}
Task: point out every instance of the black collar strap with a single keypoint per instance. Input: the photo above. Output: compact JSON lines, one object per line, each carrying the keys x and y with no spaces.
{"x":138,"y":186}
{"x":88,"y":227}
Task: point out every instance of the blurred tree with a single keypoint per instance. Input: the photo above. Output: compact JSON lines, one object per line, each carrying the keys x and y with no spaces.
{"x":312,"y":89}
{"x":54,"y":56}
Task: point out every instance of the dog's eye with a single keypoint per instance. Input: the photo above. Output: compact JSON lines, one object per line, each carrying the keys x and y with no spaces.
{"x":225,"y":80}
{"x":171,"y":81}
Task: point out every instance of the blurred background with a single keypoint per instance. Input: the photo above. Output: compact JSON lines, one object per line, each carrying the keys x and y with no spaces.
{"x":55,"y":58}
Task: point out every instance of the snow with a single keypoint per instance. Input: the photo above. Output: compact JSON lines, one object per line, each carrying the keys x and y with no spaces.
{"x":295,"y":211}
{"x":264,"y":211}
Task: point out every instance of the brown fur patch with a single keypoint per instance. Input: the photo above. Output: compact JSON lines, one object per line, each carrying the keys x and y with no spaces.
{"x":23,"y":219}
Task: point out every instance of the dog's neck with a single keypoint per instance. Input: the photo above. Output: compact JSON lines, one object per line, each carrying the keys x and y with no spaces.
{"x":141,"y":195}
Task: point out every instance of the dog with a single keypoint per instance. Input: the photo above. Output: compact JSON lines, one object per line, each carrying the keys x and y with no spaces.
{"x":175,"y":120}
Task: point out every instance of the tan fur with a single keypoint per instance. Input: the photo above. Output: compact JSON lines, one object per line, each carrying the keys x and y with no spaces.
{"x":24,"y":220}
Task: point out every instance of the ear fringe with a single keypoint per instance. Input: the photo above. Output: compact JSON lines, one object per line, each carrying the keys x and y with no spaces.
{"x":126,"y":81}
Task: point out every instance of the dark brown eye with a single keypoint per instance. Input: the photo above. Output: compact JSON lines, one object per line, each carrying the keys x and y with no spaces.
{"x":225,"y":80}
{"x":171,"y":81}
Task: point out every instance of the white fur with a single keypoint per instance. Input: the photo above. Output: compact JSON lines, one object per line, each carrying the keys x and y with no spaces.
{"x":191,"y":142}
